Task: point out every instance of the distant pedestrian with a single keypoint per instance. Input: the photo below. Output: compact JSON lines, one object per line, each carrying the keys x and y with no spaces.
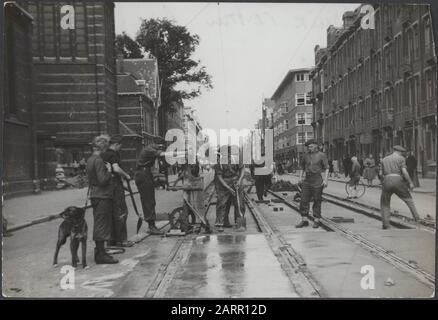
{"x":370,"y":170}
{"x":411,"y":163}
{"x":336,"y":168}
{"x":346,"y":165}
{"x":360,"y":160}
{"x":354,"y":177}
{"x":396,"y":180}
{"x":330,"y":162}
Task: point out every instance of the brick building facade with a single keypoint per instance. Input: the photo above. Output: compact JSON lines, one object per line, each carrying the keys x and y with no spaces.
{"x":19,"y":154}
{"x":375,"y":88}
{"x":292,"y":115}
{"x":74,"y":80}
{"x":137,"y":83}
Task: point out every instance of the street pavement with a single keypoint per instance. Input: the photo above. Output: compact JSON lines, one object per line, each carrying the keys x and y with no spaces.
{"x":28,"y":252}
{"x":22,"y":211}
{"x":424,"y":201}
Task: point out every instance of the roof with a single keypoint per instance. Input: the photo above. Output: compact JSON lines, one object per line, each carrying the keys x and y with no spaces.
{"x":144,"y":69}
{"x":126,"y":84}
{"x":287,"y":79}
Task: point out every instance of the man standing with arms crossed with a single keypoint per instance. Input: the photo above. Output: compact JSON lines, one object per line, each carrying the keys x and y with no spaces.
{"x":313,"y":163}
{"x":396,"y":180}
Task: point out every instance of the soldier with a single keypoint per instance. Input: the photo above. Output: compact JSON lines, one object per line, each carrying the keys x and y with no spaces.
{"x":101,"y":195}
{"x":396,"y":180}
{"x":228,"y":176}
{"x":313,"y":164}
{"x":119,"y":234}
{"x":144,"y":181}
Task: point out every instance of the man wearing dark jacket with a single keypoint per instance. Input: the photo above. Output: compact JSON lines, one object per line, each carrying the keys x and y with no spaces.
{"x":119,"y":234}
{"x":102,"y":199}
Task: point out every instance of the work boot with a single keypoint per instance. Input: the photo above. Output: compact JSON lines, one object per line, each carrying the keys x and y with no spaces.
{"x":101,"y":257}
{"x":153,"y":230}
{"x":316,"y":224}
{"x":303,"y":223}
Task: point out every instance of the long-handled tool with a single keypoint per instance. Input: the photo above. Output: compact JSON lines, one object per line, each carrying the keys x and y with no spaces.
{"x":204,"y":221}
{"x":241,"y":214}
{"x":140,"y":217}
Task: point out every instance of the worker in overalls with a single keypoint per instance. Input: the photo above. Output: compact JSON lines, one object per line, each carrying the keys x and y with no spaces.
{"x":313,"y":164}
{"x":190,"y":175}
{"x":228,"y":186}
{"x":144,"y":181}
{"x":119,"y":234}
{"x":396,"y":180}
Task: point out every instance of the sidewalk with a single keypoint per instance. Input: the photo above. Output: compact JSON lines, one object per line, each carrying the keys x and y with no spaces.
{"x":424,"y":201}
{"x":426,"y":185}
{"x":33,"y":209}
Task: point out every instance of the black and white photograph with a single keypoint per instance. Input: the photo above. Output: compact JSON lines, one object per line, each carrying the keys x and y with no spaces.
{"x":224,"y":150}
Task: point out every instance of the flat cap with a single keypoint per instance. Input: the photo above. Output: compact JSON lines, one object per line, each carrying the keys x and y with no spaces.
{"x":117,"y":138}
{"x":309,"y":142}
{"x":399,"y":148}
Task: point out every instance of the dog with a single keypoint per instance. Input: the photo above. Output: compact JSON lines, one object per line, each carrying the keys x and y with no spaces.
{"x":75,"y":227}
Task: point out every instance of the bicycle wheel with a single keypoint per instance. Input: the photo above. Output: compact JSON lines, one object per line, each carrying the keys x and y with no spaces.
{"x":355,"y":192}
{"x":361,"y":188}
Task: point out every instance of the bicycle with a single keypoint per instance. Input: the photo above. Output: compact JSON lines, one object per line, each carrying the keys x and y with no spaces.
{"x":356,"y":191}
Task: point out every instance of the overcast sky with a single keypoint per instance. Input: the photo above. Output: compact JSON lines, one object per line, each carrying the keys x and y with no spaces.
{"x":248,"y":54}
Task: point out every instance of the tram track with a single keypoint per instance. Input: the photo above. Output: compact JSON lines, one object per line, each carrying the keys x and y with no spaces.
{"x":177,"y":257}
{"x":292,"y":263}
{"x":387,"y":255}
{"x":396,"y":220}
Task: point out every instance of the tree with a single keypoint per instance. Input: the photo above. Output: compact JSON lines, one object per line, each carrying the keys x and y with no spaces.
{"x":128,"y":47}
{"x":173,"y":47}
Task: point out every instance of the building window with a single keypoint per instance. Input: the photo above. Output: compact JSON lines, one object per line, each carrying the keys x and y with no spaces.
{"x":429,"y":85}
{"x":286,"y":124}
{"x":300,"y":117}
{"x":427,"y":35}
{"x":308,"y":99}
{"x":416,"y":43}
{"x":309,"y":117}
{"x":300,"y":77}
{"x":300,"y":99}
{"x":284,"y":108}
{"x":309,"y":135}
{"x":301,"y":137}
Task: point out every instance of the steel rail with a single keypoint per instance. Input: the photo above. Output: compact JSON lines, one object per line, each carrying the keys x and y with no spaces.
{"x":292,"y":263}
{"x":386,"y":255}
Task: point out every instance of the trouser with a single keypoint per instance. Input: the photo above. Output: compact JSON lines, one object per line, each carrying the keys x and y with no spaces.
{"x":146,"y":189}
{"x":397,"y":185}
{"x":312,"y":188}
{"x":224,"y":201}
{"x":102,"y":213}
{"x":120,"y":214}
{"x":260,"y":183}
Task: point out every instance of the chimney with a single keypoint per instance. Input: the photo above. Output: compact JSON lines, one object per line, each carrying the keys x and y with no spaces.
{"x":119,"y":63}
{"x":333,"y":34}
{"x":348,"y":18}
